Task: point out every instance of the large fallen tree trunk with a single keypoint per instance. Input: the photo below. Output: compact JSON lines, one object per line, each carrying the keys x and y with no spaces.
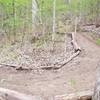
{"x":59,"y":65}
{"x":7,"y":65}
{"x":96,"y":95}
{"x":19,"y":68}
{"x":84,"y":95}
{"x":77,"y":50}
{"x":6,"y":94}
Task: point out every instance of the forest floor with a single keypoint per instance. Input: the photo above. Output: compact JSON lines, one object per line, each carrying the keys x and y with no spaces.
{"x":77,"y":75}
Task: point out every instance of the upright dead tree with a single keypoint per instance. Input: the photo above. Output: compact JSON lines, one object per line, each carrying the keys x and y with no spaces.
{"x":34,"y":11}
{"x":76,"y":22}
{"x":1,"y":15}
{"x":67,"y":28}
{"x":54,"y":15}
{"x":54,"y":24}
{"x":68,"y":1}
{"x":97,"y":19}
{"x":14,"y":20}
{"x":66,"y":34}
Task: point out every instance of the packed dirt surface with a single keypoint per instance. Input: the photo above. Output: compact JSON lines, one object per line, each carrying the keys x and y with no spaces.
{"x":78,"y":75}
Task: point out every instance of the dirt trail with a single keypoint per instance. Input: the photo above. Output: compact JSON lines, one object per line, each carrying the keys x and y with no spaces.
{"x":76,"y":76}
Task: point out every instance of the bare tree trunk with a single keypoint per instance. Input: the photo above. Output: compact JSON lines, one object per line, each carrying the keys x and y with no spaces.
{"x":34,"y":11}
{"x":54,"y":15}
{"x":76,"y":22}
{"x":66,"y":37}
{"x":67,"y":1}
{"x":14,"y":21}
{"x":6,"y":94}
{"x":97,"y":20}
{"x":54,"y":24}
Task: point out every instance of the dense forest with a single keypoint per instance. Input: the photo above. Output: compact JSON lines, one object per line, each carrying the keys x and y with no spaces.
{"x":50,"y":49}
{"x":16,"y":15}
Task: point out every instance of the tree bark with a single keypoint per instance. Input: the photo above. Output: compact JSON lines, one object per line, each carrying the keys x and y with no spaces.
{"x":54,"y":24}
{"x":61,"y":64}
{"x":96,"y":95}
{"x":97,"y":20}
{"x":14,"y":21}
{"x":6,"y":94}
{"x":83,"y":95}
{"x":34,"y":10}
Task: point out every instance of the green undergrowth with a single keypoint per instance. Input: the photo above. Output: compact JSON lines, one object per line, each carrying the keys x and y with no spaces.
{"x":98,"y":41}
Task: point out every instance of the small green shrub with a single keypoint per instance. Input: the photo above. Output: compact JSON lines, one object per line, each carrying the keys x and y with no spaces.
{"x":98,"y":41}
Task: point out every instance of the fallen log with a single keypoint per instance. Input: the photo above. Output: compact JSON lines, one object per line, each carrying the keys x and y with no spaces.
{"x":61,"y":64}
{"x":68,"y":60}
{"x":74,"y":43}
{"x":89,"y":24}
{"x":84,"y":95}
{"x":77,"y":50}
{"x":96,"y":95}
{"x":7,"y":65}
{"x":18,"y":68}
{"x":24,"y":69}
{"x":6,"y":94}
